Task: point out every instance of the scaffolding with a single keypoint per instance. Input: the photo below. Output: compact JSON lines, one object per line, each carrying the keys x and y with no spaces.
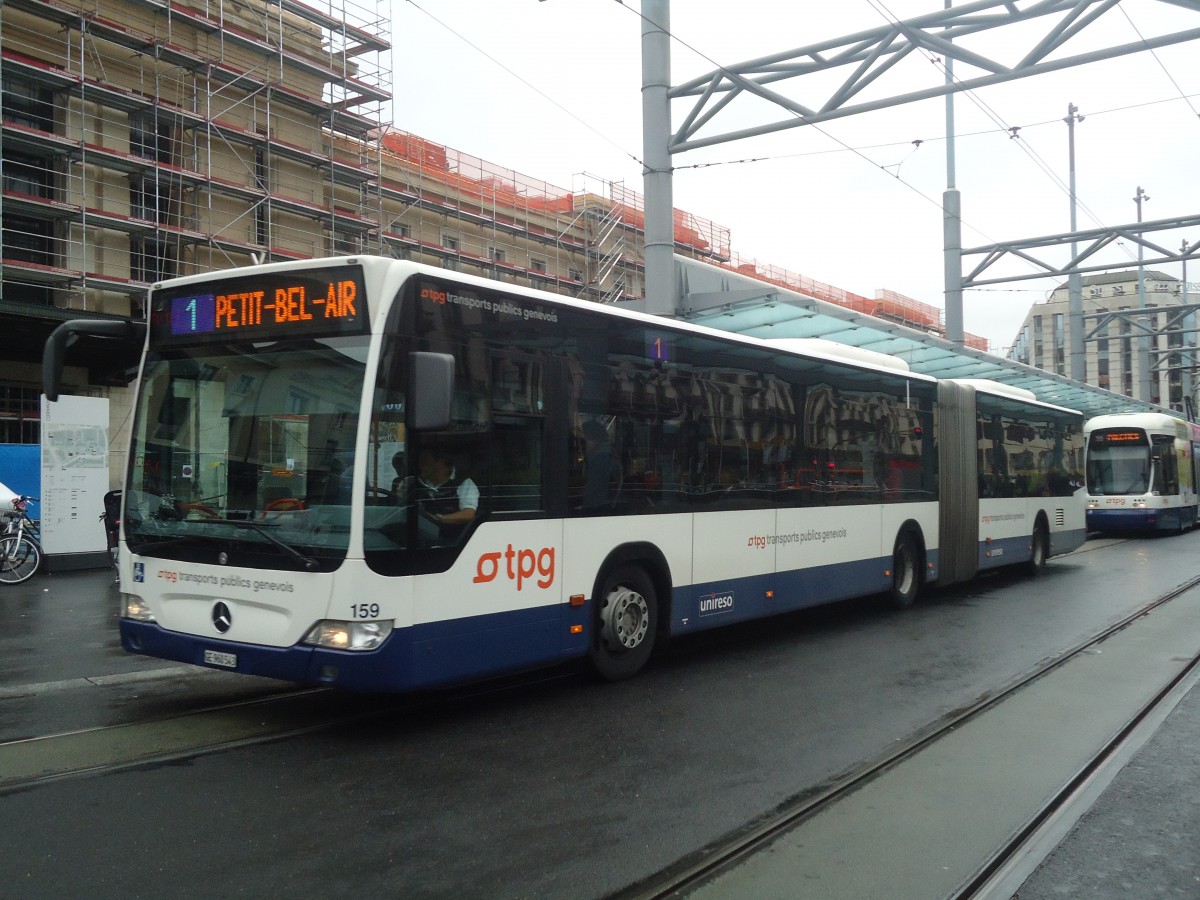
{"x":456,"y":210}
{"x":149,"y":138}
{"x":144,"y":139}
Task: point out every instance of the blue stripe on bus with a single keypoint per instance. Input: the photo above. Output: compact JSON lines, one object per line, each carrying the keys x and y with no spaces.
{"x":1161,"y":518}
{"x":1019,"y":549}
{"x":421,"y":656}
{"x":711,"y":605}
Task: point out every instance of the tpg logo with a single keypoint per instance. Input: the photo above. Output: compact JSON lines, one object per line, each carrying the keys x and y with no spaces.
{"x":528,"y":563}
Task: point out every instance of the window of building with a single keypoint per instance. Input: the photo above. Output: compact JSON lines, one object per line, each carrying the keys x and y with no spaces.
{"x":20,"y":413}
{"x":151,"y":260}
{"x":149,"y":199}
{"x":496,"y":254}
{"x":344,"y":243}
{"x":28,"y":240}
{"x":537,"y":265}
{"x":27,"y":174}
{"x":149,"y":139}
{"x":1059,"y":344}
{"x":28,"y":104}
{"x":262,"y":181}
{"x":450,"y":242}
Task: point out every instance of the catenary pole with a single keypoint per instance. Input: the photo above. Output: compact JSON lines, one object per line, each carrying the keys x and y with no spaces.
{"x":1078,"y":370}
{"x":952,"y":224}
{"x":656,"y":141}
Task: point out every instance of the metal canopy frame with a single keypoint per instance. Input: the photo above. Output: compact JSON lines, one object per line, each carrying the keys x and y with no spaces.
{"x":1096,"y":239}
{"x":872,"y":53}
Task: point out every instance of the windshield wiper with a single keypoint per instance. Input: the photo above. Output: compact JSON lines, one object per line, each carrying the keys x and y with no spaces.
{"x":307,"y":561}
{"x":139,"y":542}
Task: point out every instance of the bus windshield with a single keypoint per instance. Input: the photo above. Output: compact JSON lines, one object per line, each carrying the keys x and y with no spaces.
{"x":246,"y":450}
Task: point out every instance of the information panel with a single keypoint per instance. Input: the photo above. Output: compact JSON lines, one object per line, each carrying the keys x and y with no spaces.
{"x":75,"y":477}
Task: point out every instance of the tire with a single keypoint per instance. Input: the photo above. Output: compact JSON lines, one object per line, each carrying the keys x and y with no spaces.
{"x":20,"y":558}
{"x":906,"y":572}
{"x":1039,"y":547}
{"x":625,"y":624}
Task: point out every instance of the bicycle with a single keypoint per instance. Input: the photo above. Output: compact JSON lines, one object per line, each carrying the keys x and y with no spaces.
{"x":20,"y":549}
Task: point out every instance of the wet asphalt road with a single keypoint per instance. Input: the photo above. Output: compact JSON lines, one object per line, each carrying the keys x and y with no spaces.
{"x":552,"y":788}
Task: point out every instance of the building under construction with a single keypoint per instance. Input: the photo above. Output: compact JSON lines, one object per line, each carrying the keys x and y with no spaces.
{"x":144,"y":139}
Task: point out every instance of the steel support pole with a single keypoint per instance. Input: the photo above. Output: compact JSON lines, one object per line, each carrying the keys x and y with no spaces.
{"x":661,"y":296}
{"x":1187,"y":374}
{"x":952,"y":224}
{"x":1078,"y":366}
{"x":1143,"y":339}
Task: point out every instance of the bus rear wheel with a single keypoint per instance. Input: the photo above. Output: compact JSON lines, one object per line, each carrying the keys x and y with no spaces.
{"x":1040,"y":548}
{"x":906,"y":571}
{"x":625,"y":624}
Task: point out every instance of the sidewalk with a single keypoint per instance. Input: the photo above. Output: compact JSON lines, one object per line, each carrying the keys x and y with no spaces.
{"x":59,"y":626}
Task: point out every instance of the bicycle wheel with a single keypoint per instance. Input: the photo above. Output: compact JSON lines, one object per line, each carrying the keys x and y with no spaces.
{"x":19,"y":559}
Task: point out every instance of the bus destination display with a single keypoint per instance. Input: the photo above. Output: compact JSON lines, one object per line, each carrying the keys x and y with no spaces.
{"x":314,"y":303}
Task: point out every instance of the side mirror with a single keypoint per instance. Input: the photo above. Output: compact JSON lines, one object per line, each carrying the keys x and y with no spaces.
{"x":430,"y":388}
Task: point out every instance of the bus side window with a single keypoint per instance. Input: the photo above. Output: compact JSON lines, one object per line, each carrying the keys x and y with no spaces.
{"x":513,"y":470}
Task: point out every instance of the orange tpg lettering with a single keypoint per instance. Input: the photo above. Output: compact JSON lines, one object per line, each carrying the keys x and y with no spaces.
{"x":517,"y":565}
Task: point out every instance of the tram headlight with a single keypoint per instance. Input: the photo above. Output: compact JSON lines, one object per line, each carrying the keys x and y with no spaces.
{"x":339,"y":635}
{"x":134,"y":607}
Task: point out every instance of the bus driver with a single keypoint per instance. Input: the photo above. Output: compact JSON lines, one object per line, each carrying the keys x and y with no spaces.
{"x":442,"y":496}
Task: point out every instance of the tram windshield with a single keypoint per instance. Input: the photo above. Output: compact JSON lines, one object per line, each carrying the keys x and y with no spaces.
{"x":246,"y":450}
{"x":1119,"y":469}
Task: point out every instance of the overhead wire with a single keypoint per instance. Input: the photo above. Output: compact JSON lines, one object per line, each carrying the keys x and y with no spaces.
{"x":1014,"y":131}
{"x":1161,"y":64}
{"x":842,"y":146}
{"x":526,"y":82}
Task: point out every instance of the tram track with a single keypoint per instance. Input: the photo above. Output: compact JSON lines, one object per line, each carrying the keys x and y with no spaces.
{"x":998,"y":872}
{"x":1003,"y":874}
{"x":172,"y":737}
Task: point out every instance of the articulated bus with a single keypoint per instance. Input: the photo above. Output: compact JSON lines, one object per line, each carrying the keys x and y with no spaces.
{"x":632,"y":477}
{"x":1141,"y":472}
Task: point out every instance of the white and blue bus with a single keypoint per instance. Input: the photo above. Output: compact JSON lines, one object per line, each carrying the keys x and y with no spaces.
{"x":631,"y":477}
{"x":1141,"y":472}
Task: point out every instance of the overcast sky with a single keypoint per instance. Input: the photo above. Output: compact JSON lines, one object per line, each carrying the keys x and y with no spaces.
{"x":552,"y":90}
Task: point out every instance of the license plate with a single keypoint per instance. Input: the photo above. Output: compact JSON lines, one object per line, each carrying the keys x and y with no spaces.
{"x":217,"y":658}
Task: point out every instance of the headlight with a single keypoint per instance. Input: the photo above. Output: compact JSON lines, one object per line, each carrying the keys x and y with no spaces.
{"x":339,"y":635}
{"x":134,"y":607}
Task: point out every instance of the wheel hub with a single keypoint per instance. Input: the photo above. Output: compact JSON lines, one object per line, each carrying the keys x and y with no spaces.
{"x":625,"y":619}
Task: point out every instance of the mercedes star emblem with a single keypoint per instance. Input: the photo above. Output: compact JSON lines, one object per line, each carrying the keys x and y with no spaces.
{"x":222,"y":618}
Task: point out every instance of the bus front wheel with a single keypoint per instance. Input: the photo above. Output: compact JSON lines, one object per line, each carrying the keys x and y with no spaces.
{"x":625,"y":624}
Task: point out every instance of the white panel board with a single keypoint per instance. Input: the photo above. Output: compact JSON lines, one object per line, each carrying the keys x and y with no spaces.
{"x":74,"y":474}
